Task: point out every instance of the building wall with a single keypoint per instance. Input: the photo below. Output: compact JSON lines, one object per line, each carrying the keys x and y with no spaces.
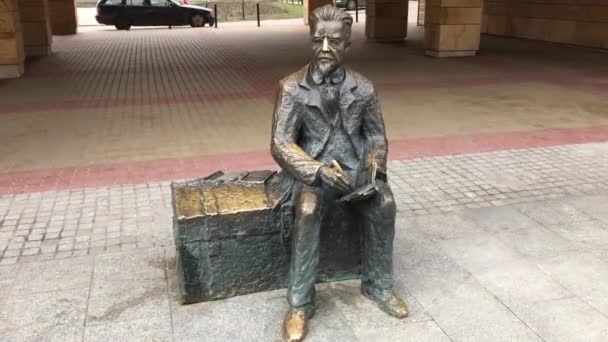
{"x":579,"y":22}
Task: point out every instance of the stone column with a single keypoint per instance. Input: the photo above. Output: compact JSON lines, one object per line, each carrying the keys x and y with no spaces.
{"x":36,"y":26}
{"x":311,"y":5}
{"x":386,"y":20}
{"x":452,"y":28}
{"x":64,"y":20}
{"x":11,"y":40}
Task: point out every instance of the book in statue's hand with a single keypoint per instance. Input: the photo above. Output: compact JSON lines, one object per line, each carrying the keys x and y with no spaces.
{"x":364,"y":192}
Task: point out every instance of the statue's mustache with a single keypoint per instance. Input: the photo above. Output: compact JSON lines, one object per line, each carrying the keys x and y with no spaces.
{"x":325,"y":54}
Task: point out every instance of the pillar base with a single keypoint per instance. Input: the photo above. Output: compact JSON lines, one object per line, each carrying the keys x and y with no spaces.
{"x":64,"y":31}
{"x":37,"y":51}
{"x":445,"y":54}
{"x":11,"y":71}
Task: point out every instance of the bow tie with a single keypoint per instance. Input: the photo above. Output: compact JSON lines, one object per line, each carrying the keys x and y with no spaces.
{"x":333,"y":79}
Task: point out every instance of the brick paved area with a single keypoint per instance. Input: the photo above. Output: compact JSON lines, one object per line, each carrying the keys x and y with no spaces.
{"x":86,"y":221}
{"x":496,"y":246}
{"x":154,"y":94}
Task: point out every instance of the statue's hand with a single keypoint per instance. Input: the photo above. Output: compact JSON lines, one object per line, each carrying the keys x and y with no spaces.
{"x":334,"y":179}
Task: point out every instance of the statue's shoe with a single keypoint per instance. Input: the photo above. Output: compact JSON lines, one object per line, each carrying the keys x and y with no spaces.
{"x":389,"y":303}
{"x":295,"y":324}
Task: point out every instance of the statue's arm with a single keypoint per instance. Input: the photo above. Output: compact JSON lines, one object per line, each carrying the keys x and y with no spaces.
{"x":286,"y":152}
{"x":375,"y":135}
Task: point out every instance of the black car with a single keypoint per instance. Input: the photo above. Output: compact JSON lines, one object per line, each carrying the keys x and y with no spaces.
{"x":351,"y":4}
{"x":126,"y":13}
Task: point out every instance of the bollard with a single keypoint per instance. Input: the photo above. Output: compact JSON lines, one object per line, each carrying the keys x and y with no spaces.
{"x":243,"y":8}
{"x":215,"y":12}
{"x":356,"y":11}
{"x":257,"y":8}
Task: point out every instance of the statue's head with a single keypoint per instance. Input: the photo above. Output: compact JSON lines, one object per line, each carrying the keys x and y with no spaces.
{"x":330,"y":29}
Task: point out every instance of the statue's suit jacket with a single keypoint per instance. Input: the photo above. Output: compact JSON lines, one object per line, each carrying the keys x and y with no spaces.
{"x":301,"y":128}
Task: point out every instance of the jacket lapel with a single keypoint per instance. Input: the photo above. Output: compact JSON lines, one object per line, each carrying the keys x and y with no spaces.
{"x":312,"y":99}
{"x":347,"y":98}
{"x":312,"y":96}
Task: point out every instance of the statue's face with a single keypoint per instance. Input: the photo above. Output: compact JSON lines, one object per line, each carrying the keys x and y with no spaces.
{"x":329,"y":44}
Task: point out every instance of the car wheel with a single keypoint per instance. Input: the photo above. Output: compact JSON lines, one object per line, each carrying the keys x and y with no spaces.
{"x":198,"y":20}
{"x":123,"y":24}
{"x":351,"y":5}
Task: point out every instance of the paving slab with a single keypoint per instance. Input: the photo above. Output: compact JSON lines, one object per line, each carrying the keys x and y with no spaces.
{"x":553,"y":212}
{"x":362,"y":314}
{"x":568,"y":319}
{"x":7,"y":278}
{"x":536,"y":241}
{"x":8,"y":271}
{"x":438,"y":226}
{"x":503,"y":218}
{"x":457,"y":302}
{"x":589,"y":235}
{"x":49,"y":316}
{"x":330,"y":322}
{"x":427,"y":331}
{"x":256,"y":317}
{"x":54,"y":275}
{"x":601,"y":254}
{"x":595,"y":206}
{"x":131,"y":266}
{"x":117,"y":300}
{"x":583,"y":274}
{"x":507,"y":275}
{"x":152,"y":329}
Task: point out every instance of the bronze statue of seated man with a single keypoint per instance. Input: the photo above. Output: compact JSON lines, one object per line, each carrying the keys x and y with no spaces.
{"x":328,"y":136}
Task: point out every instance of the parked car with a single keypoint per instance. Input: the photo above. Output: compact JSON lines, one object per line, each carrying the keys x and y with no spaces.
{"x":126,"y":13}
{"x":350,"y":4}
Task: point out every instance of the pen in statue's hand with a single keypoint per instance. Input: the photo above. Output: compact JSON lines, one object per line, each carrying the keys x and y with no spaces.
{"x":334,"y":178}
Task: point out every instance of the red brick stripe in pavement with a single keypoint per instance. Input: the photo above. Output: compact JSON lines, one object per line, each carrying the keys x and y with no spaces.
{"x":170,"y":169}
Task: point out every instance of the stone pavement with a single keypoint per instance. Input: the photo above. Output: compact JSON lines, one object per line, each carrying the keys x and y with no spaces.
{"x":496,"y":246}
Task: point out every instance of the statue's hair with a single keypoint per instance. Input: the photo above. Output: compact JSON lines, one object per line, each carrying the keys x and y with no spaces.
{"x":331,"y":13}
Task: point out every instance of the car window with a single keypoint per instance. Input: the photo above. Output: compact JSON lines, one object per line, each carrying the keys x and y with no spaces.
{"x":155,"y":3}
{"x":159,"y":3}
